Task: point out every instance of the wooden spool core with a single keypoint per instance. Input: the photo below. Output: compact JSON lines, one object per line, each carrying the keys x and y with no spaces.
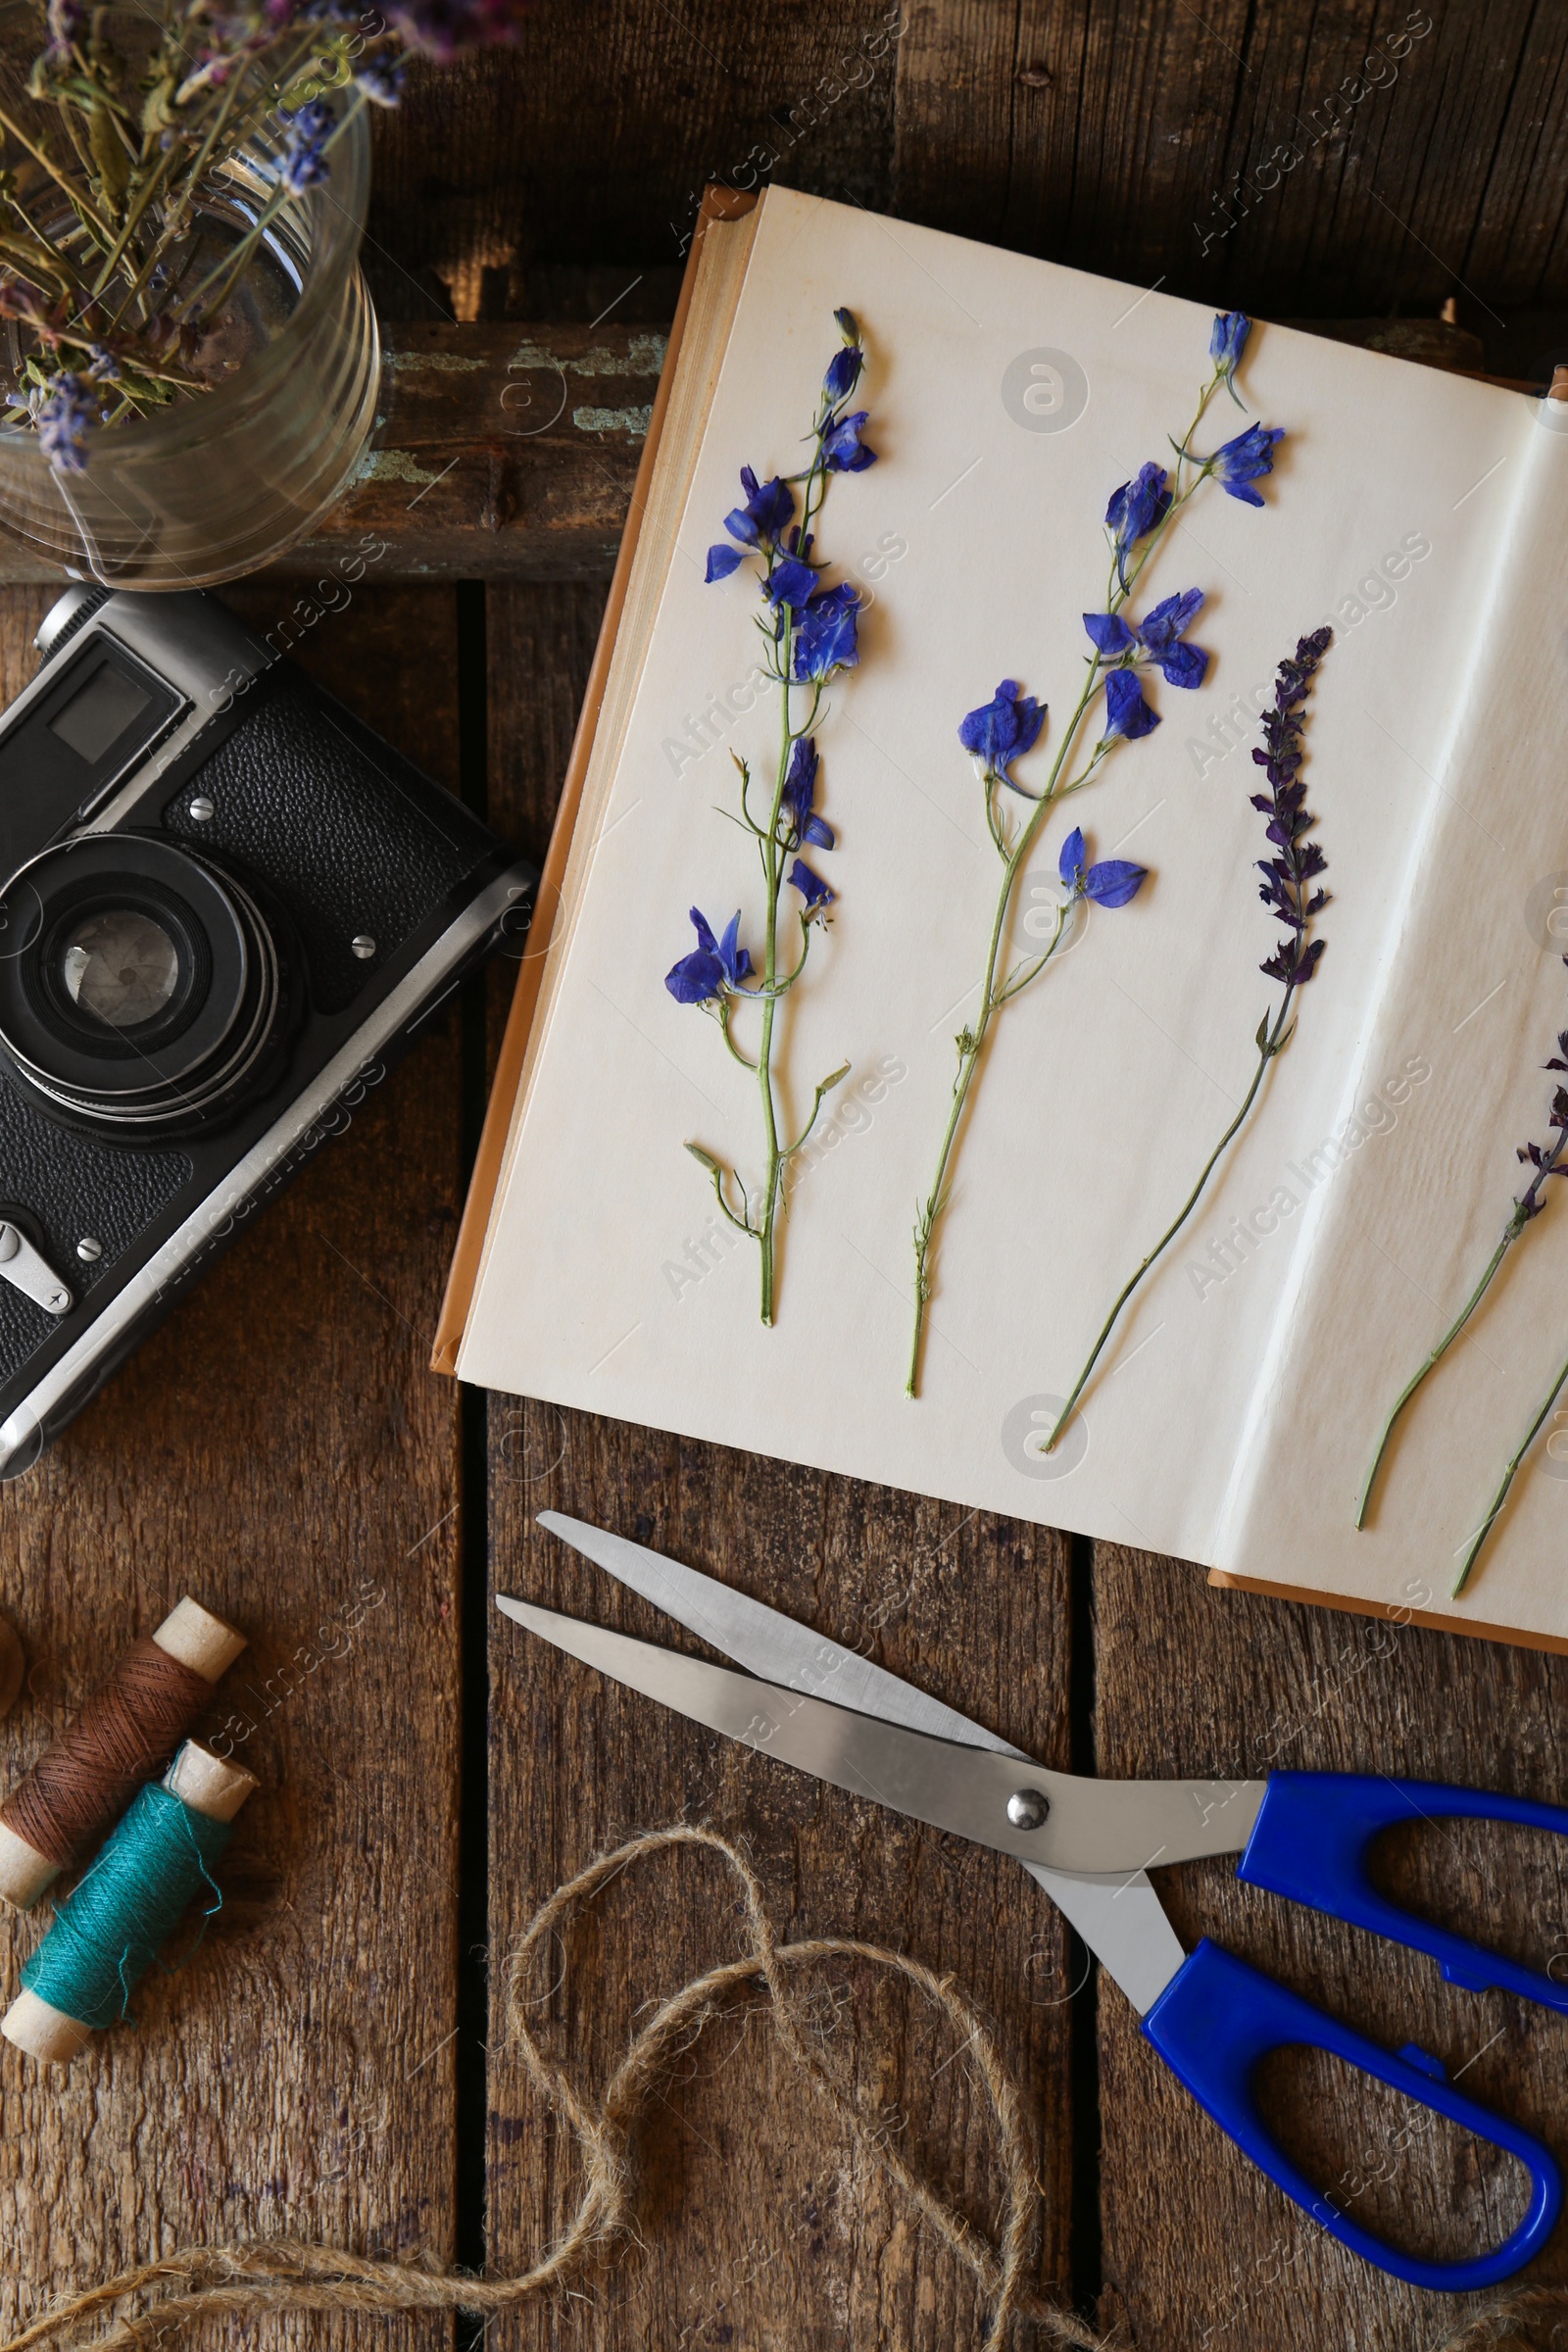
{"x":209,"y":1785}
{"x":199,"y":1641}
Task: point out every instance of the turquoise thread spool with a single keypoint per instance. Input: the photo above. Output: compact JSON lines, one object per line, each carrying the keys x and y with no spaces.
{"x":109,"y":1931}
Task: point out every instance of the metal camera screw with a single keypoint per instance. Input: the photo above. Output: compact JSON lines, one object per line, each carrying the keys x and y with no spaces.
{"x":1027,"y":1808}
{"x":90,"y":1248}
{"x":364,"y":947}
{"x":202,"y":809}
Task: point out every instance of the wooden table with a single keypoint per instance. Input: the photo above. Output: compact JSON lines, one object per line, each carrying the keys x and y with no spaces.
{"x":331,"y":2065}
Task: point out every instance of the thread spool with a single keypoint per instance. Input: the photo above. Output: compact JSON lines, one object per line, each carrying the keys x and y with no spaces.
{"x":127,"y":1729}
{"x":108,"y":1929}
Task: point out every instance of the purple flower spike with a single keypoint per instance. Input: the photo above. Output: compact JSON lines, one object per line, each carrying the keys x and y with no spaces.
{"x":1296,"y":863}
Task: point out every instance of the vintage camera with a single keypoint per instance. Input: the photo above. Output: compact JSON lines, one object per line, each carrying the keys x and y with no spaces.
{"x":227,"y":907}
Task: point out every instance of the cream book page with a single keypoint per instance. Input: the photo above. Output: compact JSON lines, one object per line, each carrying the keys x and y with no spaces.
{"x":609,"y":1281}
{"x":1401,"y":1228}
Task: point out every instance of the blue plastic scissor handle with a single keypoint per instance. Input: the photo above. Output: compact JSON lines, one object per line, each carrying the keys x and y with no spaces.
{"x":1310,"y":1842}
{"x":1218,"y":2017}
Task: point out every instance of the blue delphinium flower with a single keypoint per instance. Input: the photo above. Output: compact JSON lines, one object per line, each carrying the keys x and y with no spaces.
{"x":790,"y":582}
{"x":715,"y":966}
{"x":1134,"y":510}
{"x":1156,"y":638}
{"x":1110,"y":883}
{"x":809,"y":633}
{"x":812,"y":887}
{"x":1226,"y":344}
{"x":842,"y":450}
{"x":825,"y":639}
{"x":1127,"y":714}
{"x":303,"y":163}
{"x":800,"y":795}
{"x":767,"y":513}
{"x":843,"y":373}
{"x":1238,"y":462}
{"x":62,"y":418}
{"x":1003,"y":730}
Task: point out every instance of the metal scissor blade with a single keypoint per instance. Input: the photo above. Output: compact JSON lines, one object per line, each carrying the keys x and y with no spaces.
{"x":764,"y":1640}
{"x":1119,"y":1914}
{"x":1095,"y":1826}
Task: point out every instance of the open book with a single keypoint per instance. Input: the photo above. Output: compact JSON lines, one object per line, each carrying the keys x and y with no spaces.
{"x":1232,"y":1420}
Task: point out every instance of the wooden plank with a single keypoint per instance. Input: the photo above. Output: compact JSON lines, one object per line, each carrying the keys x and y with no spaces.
{"x":280,"y":1449}
{"x":1199,"y":2250}
{"x":1254,"y":153}
{"x":591,"y":138}
{"x":759,"y":2223}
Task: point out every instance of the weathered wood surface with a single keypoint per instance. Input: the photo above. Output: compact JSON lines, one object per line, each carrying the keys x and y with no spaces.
{"x":280,"y":1449}
{"x":281,"y":1441}
{"x":762,"y":2226}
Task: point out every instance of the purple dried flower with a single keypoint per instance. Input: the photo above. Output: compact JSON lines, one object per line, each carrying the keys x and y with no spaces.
{"x":1002,"y":729}
{"x":1297,"y":862}
{"x":715,"y":966}
{"x":63,"y":419}
{"x":303,"y":163}
{"x":439,"y":28}
{"x":380,"y":76}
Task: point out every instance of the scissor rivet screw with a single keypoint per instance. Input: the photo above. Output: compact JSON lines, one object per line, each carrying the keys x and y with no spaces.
{"x":1027,"y":1808}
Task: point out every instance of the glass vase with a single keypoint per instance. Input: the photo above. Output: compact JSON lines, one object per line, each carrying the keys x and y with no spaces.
{"x":220,"y":482}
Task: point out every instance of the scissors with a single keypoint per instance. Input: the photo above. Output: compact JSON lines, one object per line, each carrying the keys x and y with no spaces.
{"x":1090,"y":1843}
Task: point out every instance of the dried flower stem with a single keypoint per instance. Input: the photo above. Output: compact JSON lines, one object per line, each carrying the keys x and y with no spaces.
{"x":1288,"y":891}
{"x":1502,"y":1494}
{"x":971,"y":1039}
{"x":1546,"y":1160}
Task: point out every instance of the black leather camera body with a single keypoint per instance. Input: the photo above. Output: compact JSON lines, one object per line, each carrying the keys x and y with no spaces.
{"x":227,"y":907}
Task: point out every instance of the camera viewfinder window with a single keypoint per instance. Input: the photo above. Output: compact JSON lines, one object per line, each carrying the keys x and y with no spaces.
{"x":99,"y":712}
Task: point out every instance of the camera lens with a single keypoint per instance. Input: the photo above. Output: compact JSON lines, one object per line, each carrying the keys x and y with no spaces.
{"x":145,"y":989}
{"x":122,"y":967}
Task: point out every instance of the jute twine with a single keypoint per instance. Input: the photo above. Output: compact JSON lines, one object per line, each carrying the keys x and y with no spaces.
{"x":284,"y":2274}
{"x":268,"y":2276}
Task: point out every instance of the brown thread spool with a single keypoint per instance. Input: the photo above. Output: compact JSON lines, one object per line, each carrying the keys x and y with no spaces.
{"x":207,"y":1784}
{"x":129,"y":1727}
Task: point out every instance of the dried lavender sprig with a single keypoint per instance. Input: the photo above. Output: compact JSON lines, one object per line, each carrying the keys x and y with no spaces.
{"x":1288,"y":891}
{"x":1547,"y":1160}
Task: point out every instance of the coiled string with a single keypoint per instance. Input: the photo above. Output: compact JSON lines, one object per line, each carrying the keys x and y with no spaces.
{"x":111,"y":1928}
{"x":127,"y":1730}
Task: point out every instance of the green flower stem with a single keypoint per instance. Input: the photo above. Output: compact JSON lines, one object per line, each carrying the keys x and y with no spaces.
{"x":1501,"y":1495}
{"x":1523,"y":1209}
{"x":1273,"y":1037}
{"x":1514,"y":1228}
{"x":971,"y":1040}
